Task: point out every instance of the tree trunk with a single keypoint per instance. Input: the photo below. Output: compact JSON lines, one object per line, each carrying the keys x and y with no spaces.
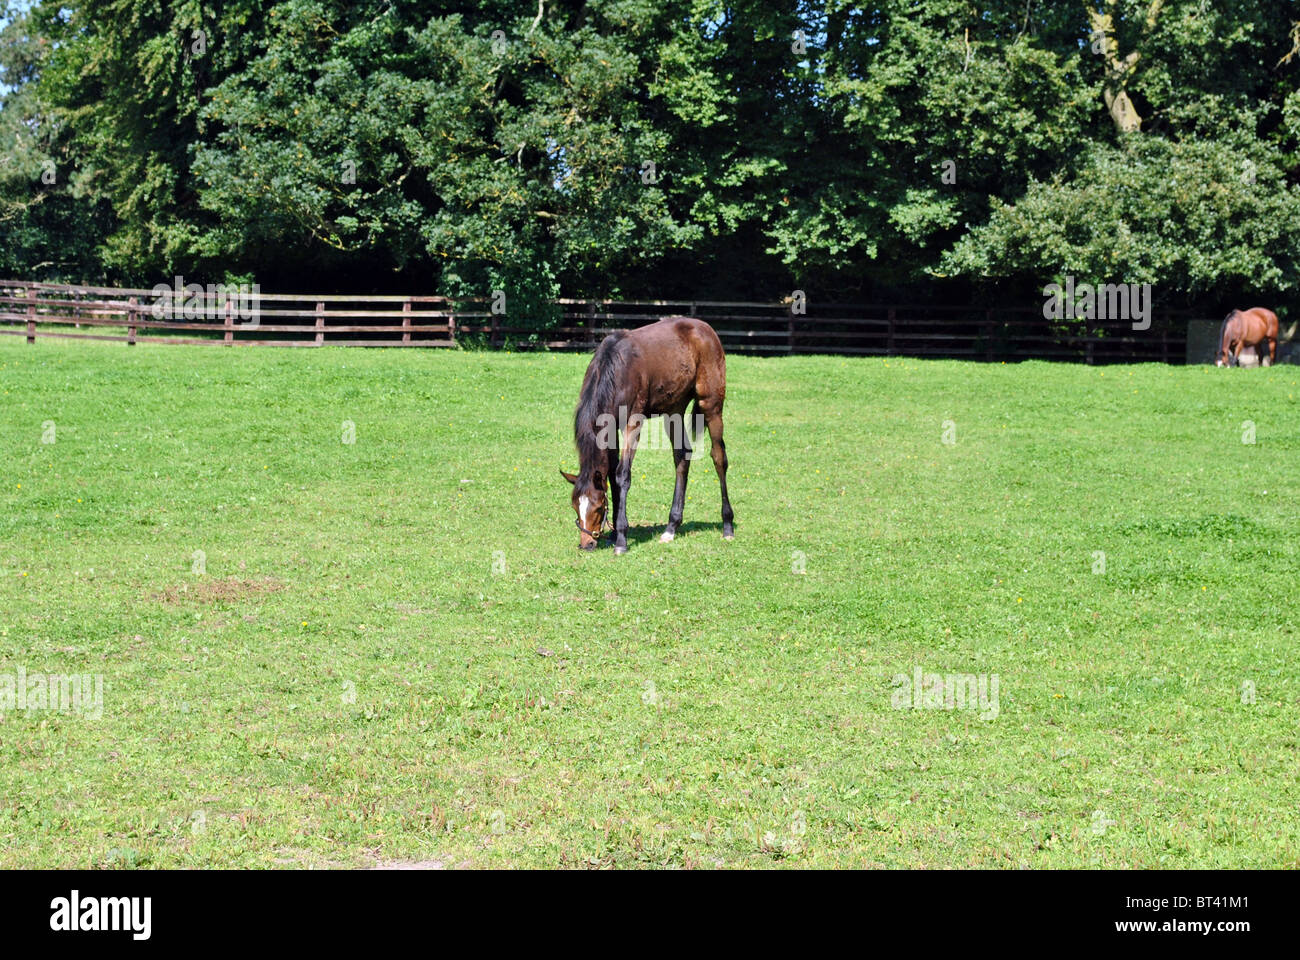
{"x":1119,"y":69}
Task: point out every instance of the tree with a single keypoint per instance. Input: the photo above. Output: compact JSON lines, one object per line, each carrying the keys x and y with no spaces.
{"x":1188,"y":217}
{"x":691,"y":148}
{"x":50,"y":222}
{"x":1120,"y":67}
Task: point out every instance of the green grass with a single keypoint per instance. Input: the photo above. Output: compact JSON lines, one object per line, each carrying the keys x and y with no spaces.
{"x":349,"y":682}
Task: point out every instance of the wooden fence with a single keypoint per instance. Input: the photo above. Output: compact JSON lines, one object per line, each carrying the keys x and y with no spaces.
{"x":282,"y":320}
{"x":1011,"y":332}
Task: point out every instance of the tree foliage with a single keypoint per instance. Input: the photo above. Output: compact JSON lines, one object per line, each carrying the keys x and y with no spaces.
{"x":682,"y":148}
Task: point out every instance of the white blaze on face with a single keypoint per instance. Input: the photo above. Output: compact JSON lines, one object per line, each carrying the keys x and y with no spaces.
{"x":584,"y":507}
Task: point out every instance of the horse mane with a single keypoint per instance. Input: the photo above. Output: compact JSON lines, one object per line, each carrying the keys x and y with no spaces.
{"x":599,"y":392}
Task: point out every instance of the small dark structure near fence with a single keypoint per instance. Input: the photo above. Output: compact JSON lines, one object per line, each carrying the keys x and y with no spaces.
{"x":307,"y":320}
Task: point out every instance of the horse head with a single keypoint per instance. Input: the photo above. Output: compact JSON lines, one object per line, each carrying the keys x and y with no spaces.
{"x":590,"y":502}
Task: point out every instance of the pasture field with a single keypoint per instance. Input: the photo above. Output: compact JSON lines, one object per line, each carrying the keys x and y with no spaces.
{"x":320,"y":653}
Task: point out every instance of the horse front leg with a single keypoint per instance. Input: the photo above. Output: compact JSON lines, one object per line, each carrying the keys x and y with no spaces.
{"x":611,"y":471}
{"x":623,"y":480}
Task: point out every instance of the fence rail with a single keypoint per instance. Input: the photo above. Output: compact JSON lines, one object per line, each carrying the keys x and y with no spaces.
{"x":311,"y":320}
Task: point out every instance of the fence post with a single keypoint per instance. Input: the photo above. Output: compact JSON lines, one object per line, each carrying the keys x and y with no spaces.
{"x":789,"y":330}
{"x":988,"y":335}
{"x":1087,"y":339}
{"x":31,"y":315}
{"x":889,"y":342}
{"x":132,"y":304}
{"x":320,"y":322}
{"x":451,"y":322}
{"x":406,"y":321}
{"x":492,"y":327}
{"x":591,"y":324}
{"x":228,"y":322}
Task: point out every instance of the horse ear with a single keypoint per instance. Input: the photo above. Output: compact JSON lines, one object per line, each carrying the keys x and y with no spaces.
{"x":569,"y":476}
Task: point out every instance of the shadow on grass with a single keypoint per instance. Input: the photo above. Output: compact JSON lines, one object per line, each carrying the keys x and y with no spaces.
{"x":652,"y":531}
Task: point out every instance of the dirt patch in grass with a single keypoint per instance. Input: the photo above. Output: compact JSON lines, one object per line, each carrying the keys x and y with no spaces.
{"x":228,"y":590}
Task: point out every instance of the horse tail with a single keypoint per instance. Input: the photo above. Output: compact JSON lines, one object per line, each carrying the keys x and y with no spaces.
{"x":1223,"y":330}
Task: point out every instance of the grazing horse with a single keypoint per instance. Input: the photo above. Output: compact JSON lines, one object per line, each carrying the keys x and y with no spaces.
{"x":1247,"y":328}
{"x":655,"y":369}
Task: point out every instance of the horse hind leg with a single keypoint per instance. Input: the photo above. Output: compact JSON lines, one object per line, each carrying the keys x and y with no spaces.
{"x":678,"y":436}
{"x":713,"y":419}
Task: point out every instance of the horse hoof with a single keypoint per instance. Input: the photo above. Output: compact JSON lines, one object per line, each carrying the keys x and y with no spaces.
{"x":619,"y":551}
{"x":667,"y":537}
{"x":728,"y":536}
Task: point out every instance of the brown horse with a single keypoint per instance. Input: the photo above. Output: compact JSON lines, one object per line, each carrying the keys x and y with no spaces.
{"x":635,"y":374}
{"x":1247,"y":328}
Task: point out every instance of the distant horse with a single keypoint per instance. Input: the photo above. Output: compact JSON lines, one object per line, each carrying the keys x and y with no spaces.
{"x":1247,"y":328}
{"x":655,"y":369}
